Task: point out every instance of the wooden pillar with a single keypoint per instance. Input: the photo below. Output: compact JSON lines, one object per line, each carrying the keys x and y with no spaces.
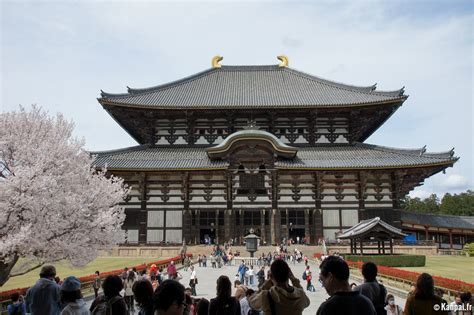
{"x":227,"y":225}
{"x":306,"y":224}
{"x":143,"y":214}
{"x":318,"y":214}
{"x":275,"y":222}
{"x":262,"y":227}
{"x":187,"y":216}
{"x":352,"y":247}
{"x":361,"y":246}
{"x":450,"y":239}
{"x":378,"y":247}
{"x":426,"y":233}
{"x":230,"y":215}
{"x":383,"y":247}
{"x":391,"y":246}
{"x":361,"y":195}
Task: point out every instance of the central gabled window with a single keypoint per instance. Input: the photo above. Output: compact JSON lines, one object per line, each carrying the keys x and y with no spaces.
{"x":251,"y":183}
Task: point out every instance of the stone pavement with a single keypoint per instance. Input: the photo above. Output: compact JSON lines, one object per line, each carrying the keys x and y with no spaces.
{"x":207,"y":277}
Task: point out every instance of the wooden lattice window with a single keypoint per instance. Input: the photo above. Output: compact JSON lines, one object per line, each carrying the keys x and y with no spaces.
{"x":252,"y":183}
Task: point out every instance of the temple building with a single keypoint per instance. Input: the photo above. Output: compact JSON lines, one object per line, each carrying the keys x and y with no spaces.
{"x":265,"y":147}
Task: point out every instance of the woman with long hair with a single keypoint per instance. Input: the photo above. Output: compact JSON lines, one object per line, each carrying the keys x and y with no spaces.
{"x":423,"y":300}
{"x":224,"y":303}
{"x":143,"y":292}
{"x":128,"y":286}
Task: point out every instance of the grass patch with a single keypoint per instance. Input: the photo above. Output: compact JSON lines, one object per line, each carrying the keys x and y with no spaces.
{"x":452,"y":267}
{"x":64,"y":270}
{"x":396,"y":260}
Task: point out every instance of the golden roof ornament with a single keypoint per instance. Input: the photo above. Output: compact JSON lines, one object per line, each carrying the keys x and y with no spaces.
{"x":216,"y":60}
{"x":284,"y":61}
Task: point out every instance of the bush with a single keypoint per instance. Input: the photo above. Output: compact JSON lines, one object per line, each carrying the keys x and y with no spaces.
{"x":390,"y":260}
{"x":468,"y":250}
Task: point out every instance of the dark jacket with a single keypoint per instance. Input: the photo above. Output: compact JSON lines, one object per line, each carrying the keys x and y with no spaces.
{"x":43,"y":298}
{"x":224,"y":307}
{"x":347,"y":303}
{"x":118,"y":308}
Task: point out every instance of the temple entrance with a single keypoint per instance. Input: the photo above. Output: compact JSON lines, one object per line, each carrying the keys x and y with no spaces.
{"x":207,"y":236}
{"x":297,"y":234}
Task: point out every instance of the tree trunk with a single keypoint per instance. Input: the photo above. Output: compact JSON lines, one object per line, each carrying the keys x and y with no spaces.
{"x":6,"y":268}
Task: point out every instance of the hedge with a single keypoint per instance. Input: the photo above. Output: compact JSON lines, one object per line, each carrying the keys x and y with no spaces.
{"x":390,"y":260}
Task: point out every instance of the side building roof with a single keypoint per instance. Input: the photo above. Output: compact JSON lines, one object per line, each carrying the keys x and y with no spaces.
{"x":267,"y":86}
{"x":355,"y":156}
{"x":438,"y":220}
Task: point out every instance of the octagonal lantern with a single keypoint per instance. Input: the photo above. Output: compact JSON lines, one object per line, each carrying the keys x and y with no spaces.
{"x":251,"y":242}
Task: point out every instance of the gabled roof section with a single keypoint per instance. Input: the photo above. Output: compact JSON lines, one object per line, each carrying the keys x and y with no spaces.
{"x":281,"y":149}
{"x":438,"y":220}
{"x":343,"y":157}
{"x":252,"y":87}
{"x":366,"y":227}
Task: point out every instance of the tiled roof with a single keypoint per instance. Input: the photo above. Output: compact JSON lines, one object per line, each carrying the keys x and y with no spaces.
{"x":438,"y":220}
{"x":250,"y":87}
{"x":359,"y":155}
{"x":366,"y":226}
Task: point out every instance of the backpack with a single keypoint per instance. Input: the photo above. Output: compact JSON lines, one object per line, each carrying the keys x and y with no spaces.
{"x":104,"y":307}
{"x":304,"y":275}
{"x":380,"y":305}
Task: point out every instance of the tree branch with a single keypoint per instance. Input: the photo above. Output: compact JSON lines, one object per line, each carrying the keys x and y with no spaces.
{"x":32,"y":268}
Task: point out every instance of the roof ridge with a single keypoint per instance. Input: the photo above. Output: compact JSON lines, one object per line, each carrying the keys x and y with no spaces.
{"x":371,"y":89}
{"x":121,"y":150}
{"x":409,"y":151}
{"x":164,"y":86}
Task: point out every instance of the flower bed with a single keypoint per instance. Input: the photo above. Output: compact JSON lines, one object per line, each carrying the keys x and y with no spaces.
{"x":5,"y":295}
{"x":451,"y":284}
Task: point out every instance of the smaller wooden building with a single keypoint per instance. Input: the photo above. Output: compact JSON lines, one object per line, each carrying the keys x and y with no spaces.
{"x":371,"y":231}
{"x":447,"y":231}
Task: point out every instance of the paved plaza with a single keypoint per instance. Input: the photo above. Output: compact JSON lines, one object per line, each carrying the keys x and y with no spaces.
{"x":207,"y":283}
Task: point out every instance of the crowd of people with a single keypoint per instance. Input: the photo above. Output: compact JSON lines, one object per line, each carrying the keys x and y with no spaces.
{"x":275,"y":292}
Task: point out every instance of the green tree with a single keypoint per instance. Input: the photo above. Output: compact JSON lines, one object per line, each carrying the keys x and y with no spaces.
{"x":458,"y":204}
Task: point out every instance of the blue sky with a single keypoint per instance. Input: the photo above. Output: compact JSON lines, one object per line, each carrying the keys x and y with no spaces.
{"x":59,"y":54}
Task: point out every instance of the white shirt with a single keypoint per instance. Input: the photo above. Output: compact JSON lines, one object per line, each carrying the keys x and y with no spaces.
{"x":193,"y":275}
{"x":244,"y":306}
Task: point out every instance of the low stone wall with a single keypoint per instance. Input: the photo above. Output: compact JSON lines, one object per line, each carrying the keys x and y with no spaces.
{"x":143,"y":251}
{"x":397,"y":249}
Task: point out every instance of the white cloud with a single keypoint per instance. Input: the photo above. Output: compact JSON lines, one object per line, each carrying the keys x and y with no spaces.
{"x":420,"y":193}
{"x":453,"y":181}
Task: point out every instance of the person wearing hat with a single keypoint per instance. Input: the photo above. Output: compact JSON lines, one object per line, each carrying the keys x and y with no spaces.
{"x":71,"y":298}
{"x":43,"y":297}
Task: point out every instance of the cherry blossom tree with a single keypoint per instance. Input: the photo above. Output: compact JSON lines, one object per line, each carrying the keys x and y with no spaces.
{"x":53,"y":204}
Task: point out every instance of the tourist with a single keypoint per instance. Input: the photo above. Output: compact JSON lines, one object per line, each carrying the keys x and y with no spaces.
{"x":373,"y":290}
{"x":187,"y":263}
{"x":199,"y":260}
{"x":261,"y":276}
{"x":160,"y":277}
{"x":423,"y":300}
{"x":169,"y":298}
{"x":128,"y":287}
{"x":466,"y":299}
{"x":96,"y":283}
{"x":18,"y":306}
{"x":202,"y":307}
{"x":224,"y":303}
{"x":124,"y":274}
{"x":111,"y":301}
{"x":309,"y":277}
{"x":241,"y":271}
{"x":245,"y":308}
{"x":153,"y":272}
{"x":276,"y":293}
{"x":251,"y":275}
{"x":171,"y":271}
{"x":334,"y":277}
{"x":143,"y":275}
{"x":193,"y":281}
{"x":190,"y":308}
{"x":240,"y":290}
{"x":392,"y":308}
{"x":71,"y":298}
{"x":213,"y":261}
{"x":143,"y":293}
{"x":204,"y":261}
{"x":43,"y":297}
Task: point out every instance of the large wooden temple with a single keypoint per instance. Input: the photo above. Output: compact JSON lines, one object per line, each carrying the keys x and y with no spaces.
{"x":264,"y":147}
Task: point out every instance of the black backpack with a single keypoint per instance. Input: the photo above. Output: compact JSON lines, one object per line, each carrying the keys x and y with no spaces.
{"x":380,"y":305}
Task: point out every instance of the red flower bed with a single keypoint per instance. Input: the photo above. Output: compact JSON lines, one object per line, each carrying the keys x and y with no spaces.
{"x":318,"y":255}
{"x":455,"y":285}
{"x":5,"y":295}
